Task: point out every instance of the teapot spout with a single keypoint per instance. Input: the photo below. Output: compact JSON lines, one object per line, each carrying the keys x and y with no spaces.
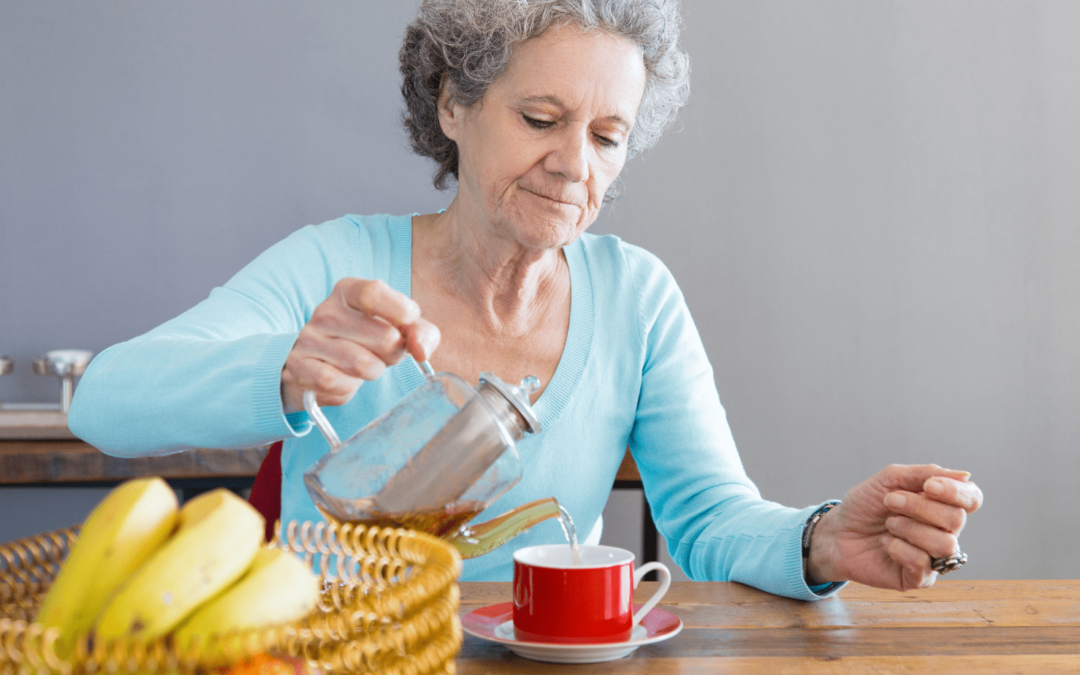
{"x":476,"y":540}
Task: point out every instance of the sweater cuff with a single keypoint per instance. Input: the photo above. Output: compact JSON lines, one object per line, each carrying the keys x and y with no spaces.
{"x":270,"y":418}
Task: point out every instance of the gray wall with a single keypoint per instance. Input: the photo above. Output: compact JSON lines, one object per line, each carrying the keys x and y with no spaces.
{"x":871,"y":208}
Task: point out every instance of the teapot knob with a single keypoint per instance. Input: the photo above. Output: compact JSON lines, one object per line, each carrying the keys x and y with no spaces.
{"x":514,"y":399}
{"x":531,"y":384}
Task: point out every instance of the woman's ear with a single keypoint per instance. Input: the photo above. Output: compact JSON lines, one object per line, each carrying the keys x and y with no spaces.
{"x":449,"y":111}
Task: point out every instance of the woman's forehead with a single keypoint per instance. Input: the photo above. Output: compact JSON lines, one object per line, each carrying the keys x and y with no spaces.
{"x":570,"y":68}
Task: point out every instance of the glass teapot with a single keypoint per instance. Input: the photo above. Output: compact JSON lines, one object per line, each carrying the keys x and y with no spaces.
{"x":432,"y":462}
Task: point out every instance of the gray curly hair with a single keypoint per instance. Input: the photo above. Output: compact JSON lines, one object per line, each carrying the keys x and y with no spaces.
{"x":472,"y":42}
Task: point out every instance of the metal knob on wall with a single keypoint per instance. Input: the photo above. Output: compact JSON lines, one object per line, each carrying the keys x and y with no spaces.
{"x":67,"y":364}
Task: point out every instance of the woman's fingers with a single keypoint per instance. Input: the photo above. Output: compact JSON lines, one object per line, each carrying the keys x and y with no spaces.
{"x":924,"y":509}
{"x":331,"y":386}
{"x":422,"y":339}
{"x":352,"y":337}
{"x":960,"y":493}
{"x":909,"y":514}
{"x":934,"y":542}
{"x":376,"y":298}
{"x":375,"y":317}
{"x":371,"y":334}
{"x":324,"y":334}
{"x":354,"y":360}
{"x":944,"y":502}
{"x":914,"y":562}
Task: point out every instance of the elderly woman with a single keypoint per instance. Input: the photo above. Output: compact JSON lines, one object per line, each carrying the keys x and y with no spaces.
{"x":530,"y":108}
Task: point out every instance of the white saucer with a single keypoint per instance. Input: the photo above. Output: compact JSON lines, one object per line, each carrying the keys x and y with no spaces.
{"x":494,"y":623}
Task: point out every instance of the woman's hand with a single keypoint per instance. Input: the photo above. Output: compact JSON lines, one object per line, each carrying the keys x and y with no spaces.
{"x":889,"y":527}
{"x":363,"y":327}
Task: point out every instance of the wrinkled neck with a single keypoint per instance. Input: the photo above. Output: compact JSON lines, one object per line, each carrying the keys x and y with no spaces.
{"x":506,"y":285}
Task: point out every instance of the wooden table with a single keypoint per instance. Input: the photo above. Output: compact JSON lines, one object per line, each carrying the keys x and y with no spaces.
{"x":956,"y":628}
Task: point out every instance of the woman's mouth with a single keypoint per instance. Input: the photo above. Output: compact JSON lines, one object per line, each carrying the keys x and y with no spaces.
{"x":564,"y":201}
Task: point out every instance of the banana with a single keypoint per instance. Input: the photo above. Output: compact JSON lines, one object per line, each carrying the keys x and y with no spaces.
{"x":278,"y":588}
{"x":218,"y":537}
{"x":119,"y":535}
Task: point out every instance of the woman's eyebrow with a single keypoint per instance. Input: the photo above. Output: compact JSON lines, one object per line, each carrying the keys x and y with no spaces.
{"x":549,"y":99}
{"x":555,"y":101}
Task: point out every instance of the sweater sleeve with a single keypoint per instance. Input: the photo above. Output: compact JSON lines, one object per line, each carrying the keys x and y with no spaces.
{"x":211,"y":377}
{"x":717,"y":525}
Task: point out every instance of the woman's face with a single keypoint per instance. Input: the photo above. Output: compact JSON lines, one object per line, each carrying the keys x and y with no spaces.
{"x":538,"y":153}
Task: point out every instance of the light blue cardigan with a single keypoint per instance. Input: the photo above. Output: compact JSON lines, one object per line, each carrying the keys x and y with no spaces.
{"x":633,"y":372}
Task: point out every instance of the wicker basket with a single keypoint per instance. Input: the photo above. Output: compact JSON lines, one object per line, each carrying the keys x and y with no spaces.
{"x":389,"y":605}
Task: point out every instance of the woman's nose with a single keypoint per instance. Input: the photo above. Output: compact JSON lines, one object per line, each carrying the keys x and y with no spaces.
{"x":570,"y":159}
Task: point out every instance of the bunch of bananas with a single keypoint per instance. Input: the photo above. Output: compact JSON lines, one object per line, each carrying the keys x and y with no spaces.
{"x":143,"y":568}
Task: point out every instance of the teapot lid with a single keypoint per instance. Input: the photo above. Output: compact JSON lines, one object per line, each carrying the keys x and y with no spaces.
{"x":518,"y":397}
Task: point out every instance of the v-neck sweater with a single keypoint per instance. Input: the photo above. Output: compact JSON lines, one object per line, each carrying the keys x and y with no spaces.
{"x":633,"y":372}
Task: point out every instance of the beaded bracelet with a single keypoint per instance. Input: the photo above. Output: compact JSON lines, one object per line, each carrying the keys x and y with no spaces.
{"x":808,"y":531}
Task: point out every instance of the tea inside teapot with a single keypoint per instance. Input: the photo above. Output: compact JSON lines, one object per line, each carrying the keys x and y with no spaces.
{"x":442,"y":522}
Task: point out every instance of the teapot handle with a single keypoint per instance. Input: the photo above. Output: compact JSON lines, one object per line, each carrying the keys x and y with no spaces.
{"x":475,"y":540}
{"x":320,"y":421}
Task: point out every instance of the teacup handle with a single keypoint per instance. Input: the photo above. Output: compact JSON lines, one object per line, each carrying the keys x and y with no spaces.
{"x":665,"y":583}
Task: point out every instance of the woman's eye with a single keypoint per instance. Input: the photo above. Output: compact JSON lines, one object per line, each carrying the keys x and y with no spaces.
{"x":538,"y":124}
{"x":606,"y":142}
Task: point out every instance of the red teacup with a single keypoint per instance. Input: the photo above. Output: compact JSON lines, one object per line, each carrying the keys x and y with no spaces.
{"x":558,"y":601}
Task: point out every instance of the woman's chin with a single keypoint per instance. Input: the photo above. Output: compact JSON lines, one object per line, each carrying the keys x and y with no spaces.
{"x":546,"y":233}
{"x":547,"y":228}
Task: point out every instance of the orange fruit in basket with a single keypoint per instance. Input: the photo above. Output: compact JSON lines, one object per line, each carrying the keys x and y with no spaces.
{"x":267,"y":664}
